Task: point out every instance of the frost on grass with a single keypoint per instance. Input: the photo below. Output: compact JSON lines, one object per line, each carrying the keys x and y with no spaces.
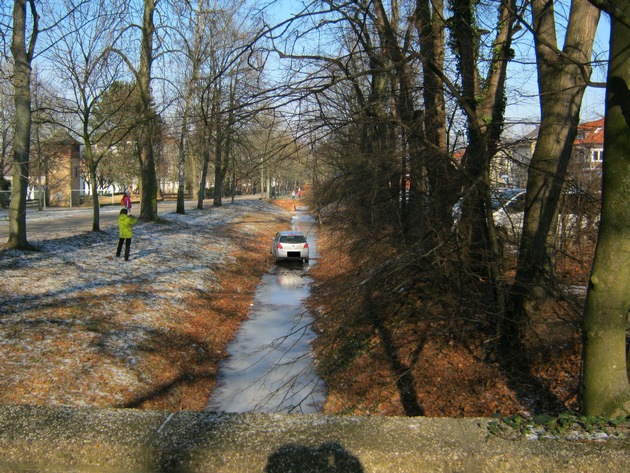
{"x":79,"y":326}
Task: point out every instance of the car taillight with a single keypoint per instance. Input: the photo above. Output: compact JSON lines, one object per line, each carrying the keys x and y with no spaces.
{"x":305,"y":245}
{"x":279,"y":246}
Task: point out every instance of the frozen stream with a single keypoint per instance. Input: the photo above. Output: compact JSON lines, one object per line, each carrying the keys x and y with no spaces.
{"x":270,"y":367}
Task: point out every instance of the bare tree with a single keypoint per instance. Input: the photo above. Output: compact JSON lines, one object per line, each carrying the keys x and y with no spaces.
{"x":196,"y":21}
{"x":562,"y":78}
{"x":148,"y":209}
{"x":483,"y":100}
{"x":442,"y":174}
{"x":147,"y":117}
{"x":225,"y":99}
{"x":22,"y":51}
{"x":88,"y":69}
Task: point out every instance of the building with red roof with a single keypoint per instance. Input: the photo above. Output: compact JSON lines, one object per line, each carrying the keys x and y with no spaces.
{"x":588,"y":148}
{"x":511,"y":163}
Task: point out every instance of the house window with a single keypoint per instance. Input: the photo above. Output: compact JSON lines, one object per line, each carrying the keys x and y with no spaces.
{"x":597,"y":155}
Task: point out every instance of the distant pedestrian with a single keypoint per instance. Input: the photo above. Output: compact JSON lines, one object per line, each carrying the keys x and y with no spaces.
{"x":126,"y":201}
{"x":125,"y":222}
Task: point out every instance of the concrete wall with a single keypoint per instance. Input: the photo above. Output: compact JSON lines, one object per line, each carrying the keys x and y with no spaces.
{"x":110,"y":440}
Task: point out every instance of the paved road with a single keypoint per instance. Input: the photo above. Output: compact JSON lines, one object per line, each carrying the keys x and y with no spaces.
{"x":80,"y":218}
{"x":53,"y":220}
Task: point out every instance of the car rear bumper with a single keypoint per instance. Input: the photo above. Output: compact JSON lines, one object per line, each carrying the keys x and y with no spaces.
{"x":292,"y":255}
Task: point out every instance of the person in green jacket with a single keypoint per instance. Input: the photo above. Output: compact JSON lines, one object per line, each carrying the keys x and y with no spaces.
{"x":125,"y":222}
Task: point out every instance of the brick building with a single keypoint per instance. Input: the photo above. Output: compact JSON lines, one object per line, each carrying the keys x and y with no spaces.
{"x":57,"y":171}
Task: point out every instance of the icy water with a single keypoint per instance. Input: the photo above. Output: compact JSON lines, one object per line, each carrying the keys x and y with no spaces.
{"x":270,"y":367}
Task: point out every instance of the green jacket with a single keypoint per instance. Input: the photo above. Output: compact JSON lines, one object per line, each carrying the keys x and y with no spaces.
{"x":125,"y":223}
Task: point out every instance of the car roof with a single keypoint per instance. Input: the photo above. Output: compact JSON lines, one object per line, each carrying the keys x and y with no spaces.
{"x":290,"y":232}
{"x":509,"y":191}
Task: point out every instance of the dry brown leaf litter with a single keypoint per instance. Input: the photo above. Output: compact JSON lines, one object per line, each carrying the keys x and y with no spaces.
{"x":80,"y":327}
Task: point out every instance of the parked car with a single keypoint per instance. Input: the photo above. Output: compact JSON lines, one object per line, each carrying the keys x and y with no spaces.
{"x":508,"y":206}
{"x":289,"y":245}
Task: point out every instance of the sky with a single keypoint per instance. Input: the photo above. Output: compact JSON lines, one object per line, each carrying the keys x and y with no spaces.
{"x":523,"y":106}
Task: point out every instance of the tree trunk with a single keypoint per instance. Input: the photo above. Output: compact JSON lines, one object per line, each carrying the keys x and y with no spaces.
{"x":484,"y":106}
{"x":21,"y":142}
{"x":219,"y":172}
{"x":148,"y":204}
{"x":181,"y":166}
{"x":442,"y":176}
{"x":606,"y":388}
{"x":205,"y":152}
{"x":92,"y":165}
{"x":184,"y":140}
{"x":210,"y":113}
{"x":562,"y":78}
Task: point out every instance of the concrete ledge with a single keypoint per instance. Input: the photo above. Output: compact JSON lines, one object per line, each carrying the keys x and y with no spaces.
{"x":115,"y":440}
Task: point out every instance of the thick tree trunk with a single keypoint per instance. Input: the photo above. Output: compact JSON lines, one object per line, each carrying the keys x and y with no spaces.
{"x":606,"y":388}
{"x":22,"y":137}
{"x":148,"y":203}
{"x":562,"y":78}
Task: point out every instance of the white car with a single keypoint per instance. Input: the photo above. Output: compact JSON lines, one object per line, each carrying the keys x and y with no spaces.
{"x":289,"y":245}
{"x":508,"y":208}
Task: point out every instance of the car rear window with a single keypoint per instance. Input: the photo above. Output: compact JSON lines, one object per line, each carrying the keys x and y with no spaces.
{"x":501,"y":199}
{"x":292,"y":239}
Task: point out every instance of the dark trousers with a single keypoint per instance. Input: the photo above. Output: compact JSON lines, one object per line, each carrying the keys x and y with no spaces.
{"x":127,"y":246}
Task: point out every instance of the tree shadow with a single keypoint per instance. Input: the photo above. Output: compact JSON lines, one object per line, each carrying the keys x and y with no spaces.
{"x":619,"y":96}
{"x":405,"y":381}
{"x":515,"y":357}
{"x":329,"y":457}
